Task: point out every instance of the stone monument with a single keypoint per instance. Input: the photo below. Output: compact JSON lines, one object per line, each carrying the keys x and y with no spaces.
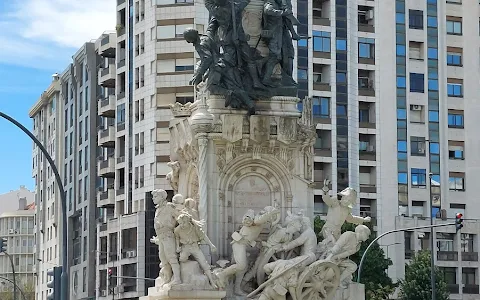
{"x":240,"y":224}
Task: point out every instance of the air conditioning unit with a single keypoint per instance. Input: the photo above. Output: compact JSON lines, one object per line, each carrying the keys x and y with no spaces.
{"x":369,"y":15}
{"x":104,"y":293}
{"x":416,"y":107}
{"x":11,"y":231}
{"x":131,"y":254}
{"x":421,"y":235}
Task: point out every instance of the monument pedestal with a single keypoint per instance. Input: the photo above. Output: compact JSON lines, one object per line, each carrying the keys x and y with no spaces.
{"x":154,"y":294}
{"x":355,"y":291}
{"x":231,"y":162}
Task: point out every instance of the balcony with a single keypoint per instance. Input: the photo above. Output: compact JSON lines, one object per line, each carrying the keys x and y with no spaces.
{"x":469,"y":256}
{"x":453,"y":288}
{"x":368,"y":188}
{"x":107,"y":46}
{"x":106,"y":106}
{"x":106,"y":198}
{"x":367,"y":155}
{"x":471,"y":289}
{"x":106,"y":168}
{"x":106,"y":137}
{"x":106,"y":76}
{"x":447,"y":255}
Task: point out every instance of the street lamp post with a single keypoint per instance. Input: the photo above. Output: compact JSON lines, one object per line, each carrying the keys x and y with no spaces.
{"x":64,"y":277}
{"x":15,"y":286}
{"x":432,"y":255}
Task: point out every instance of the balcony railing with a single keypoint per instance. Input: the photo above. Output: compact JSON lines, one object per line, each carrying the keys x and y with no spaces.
{"x":469,"y":256}
{"x":470,"y":289}
{"x":447,"y":255}
{"x":453,"y":288}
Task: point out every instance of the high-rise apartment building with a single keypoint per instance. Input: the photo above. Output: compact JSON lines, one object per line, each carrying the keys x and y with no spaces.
{"x":16,"y":227}
{"x":47,"y":115}
{"x":394,"y":103}
{"x":153,"y":67}
{"x":65,"y":120}
{"x":79,"y":99}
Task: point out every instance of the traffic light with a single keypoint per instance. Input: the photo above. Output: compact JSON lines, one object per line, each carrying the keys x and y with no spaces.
{"x":55,"y":283}
{"x":459,"y":221}
{"x":3,"y":245}
{"x":110,"y":276}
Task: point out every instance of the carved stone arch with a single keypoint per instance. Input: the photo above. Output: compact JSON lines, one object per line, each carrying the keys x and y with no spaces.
{"x":250,"y":183}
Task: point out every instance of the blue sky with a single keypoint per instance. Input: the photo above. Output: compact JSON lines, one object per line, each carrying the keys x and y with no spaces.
{"x":37,"y":39}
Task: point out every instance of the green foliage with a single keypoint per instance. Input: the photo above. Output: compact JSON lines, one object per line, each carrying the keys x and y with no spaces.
{"x":27,"y":287}
{"x":417,"y":284}
{"x":378,"y":286}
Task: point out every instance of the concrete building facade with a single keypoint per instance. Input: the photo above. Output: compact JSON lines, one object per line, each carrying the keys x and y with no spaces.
{"x":79,"y":98}
{"x":47,"y":115}
{"x":394,"y":103}
{"x":17,"y":228}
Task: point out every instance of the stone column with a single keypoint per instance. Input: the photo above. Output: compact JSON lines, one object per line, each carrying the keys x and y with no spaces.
{"x":202,"y":169}
{"x":201,"y":124}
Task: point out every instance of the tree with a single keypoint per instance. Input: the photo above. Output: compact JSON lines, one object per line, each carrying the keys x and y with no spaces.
{"x":378,"y":286}
{"x":417,"y":282}
{"x":27,"y":287}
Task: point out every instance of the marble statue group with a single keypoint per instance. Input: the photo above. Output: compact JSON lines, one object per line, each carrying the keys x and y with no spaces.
{"x":290,"y":261}
{"x":231,"y":63}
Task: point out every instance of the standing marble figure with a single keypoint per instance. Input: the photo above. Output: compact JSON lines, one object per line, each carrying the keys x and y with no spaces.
{"x":165,"y":220}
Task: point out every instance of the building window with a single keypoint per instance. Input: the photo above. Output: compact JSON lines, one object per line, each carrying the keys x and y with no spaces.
{"x":454,"y":27}
{"x":183,"y":68}
{"x":467,"y":242}
{"x":455,"y":120}
{"x":321,"y":41}
{"x":456,"y":183}
{"x":401,"y":82}
{"x":417,"y":146}
{"x":454,"y":59}
{"x":366,"y":48}
{"x":321,"y":107}
{"x":419,"y":178}
{"x":432,"y":22}
{"x":415,"y":50}
{"x":417,"y":82}
{"x":445,"y":241}
{"x":454,"y":89}
{"x":449,"y":274}
{"x":415,"y":19}
{"x":468,"y":276}
{"x":402,"y":178}
{"x":341,"y":45}
{"x":455,"y":150}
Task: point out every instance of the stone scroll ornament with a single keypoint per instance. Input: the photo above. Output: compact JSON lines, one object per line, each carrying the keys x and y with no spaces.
{"x":246,"y":52}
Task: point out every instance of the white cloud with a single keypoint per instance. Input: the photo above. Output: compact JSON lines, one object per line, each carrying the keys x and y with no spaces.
{"x":46,"y":33}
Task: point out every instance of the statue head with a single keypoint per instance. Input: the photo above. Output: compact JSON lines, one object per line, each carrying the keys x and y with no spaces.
{"x":294,"y":225}
{"x":348,"y":197}
{"x":159,"y":196}
{"x":178,"y":199}
{"x":248,"y":217}
{"x":363,"y":232}
{"x":184,"y":220}
{"x":174,"y":165}
{"x":191,"y":35}
{"x":190,"y":203}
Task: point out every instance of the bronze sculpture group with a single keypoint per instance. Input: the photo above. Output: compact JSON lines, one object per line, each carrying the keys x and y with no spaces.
{"x":231,"y":67}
